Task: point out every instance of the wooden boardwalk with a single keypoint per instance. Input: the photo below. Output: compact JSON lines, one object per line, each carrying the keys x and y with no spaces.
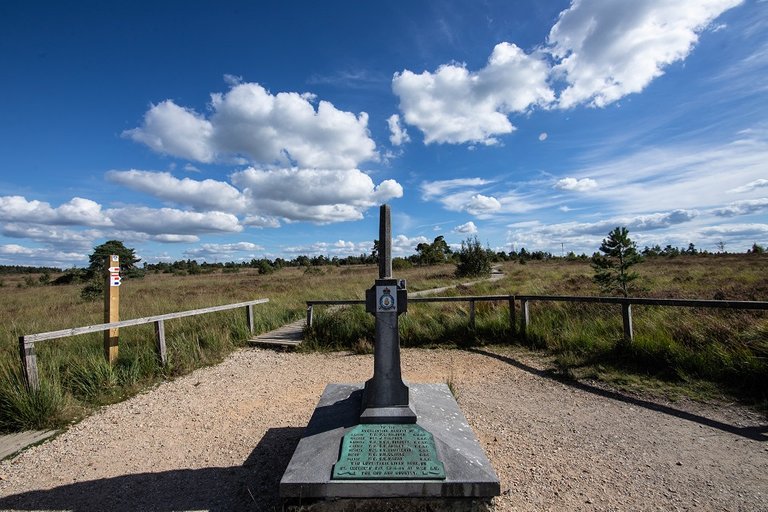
{"x":12,"y":443}
{"x":289,"y":335}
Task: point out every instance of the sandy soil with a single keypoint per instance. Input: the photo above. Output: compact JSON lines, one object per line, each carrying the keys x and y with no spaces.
{"x":220,"y":438}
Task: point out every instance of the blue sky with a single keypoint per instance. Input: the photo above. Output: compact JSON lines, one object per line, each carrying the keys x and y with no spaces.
{"x":228,"y":131}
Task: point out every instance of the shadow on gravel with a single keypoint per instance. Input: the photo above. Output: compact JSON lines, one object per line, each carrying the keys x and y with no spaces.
{"x":252,"y":486}
{"x":756,"y":433}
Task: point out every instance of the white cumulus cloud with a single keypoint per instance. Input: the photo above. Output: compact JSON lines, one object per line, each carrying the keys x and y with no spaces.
{"x":266,"y":128}
{"x":199,"y":194}
{"x":607,"y":50}
{"x":315,"y":195}
{"x":746,"y":207}
{"x":463,"y":195}
{"x":456,"y":105}
{"x":77,"y":211}
{"x":403,"y":245}
{"x":467,"y":228}
{"x":597,"y":52}
{"x":398,"y":134}
{"x":576,"y":185}
{"x":479,"y":204}
{"x":42,"y":256}
{"x":170,"y":221}
{"x":178,"y":131}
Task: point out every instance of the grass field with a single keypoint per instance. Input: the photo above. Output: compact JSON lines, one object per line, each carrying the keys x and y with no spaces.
{"x":73,"y":373}
{"x":697,"y":351}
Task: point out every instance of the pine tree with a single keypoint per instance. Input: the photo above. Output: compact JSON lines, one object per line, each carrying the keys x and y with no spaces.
{"x":612,"y":272}
{"x":99,"y":259}
{"x":99,"y":262}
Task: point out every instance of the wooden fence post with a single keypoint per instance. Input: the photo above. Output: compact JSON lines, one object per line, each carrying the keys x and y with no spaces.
{"x":112,"y":307}
{"x":626,"y":315}
{"x":472,"y":314}
{"x":249,"y":318}
{"x":512,"y":314}
{"x":29,"y":363}
{"x":525,"y":318}
{"x":162,"y":354}
{"x":310,"y":314}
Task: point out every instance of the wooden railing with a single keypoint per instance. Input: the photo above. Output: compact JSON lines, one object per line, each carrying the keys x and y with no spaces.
{"x":27,"y":342}
{"x":525,"y":317}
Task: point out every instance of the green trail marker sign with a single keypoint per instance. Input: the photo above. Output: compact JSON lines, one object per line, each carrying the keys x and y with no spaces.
{"x":388,"y":451}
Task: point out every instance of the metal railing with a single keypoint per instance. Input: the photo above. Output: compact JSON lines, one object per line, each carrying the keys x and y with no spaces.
{"x":27,"y":342}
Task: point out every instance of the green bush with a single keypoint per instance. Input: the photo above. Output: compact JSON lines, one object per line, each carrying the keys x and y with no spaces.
{"x":401,"y":264}
{"x":474,"y":260}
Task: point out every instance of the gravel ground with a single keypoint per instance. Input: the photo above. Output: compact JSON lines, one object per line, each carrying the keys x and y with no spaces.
{"x":220,"y":438}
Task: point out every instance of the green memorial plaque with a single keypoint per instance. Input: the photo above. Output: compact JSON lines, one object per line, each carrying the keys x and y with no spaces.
{"x":388,"y":452}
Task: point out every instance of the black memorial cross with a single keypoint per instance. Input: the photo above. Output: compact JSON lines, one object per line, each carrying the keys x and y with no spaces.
{"x":386,"y":398}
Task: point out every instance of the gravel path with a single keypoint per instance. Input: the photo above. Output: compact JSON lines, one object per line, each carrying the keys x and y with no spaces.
{"x":220,"y":438}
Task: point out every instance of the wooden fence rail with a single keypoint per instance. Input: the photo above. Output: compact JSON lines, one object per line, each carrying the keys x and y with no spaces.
{"x":488,"y":298}
{"x":525,"y":300}
{"x":27,"y":342}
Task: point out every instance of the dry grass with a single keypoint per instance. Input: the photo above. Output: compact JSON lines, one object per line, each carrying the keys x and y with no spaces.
{"x":691,"y":349}
{"x":73,"y":369}
{"x":672,"y":344}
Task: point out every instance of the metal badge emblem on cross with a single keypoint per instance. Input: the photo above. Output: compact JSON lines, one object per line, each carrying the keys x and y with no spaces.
{"x":385,"y":300}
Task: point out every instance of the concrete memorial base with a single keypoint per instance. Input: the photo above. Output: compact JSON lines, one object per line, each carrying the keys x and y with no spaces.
{"x":391,"y":505}
{"x":469,"y":482}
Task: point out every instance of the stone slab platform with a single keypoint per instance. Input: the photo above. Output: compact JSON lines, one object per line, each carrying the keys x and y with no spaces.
{"x":468,"y":471}
{"x":12,"y":443}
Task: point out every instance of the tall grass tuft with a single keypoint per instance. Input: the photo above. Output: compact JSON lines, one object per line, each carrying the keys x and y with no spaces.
{"x":345,"y":328}
{"x":21,"y":409}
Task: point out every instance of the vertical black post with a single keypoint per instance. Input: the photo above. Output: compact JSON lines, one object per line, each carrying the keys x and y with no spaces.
{"x":385,"y":243}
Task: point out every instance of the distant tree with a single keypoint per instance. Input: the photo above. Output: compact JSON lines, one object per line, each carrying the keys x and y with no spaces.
{"x":757,"y":249}
{"x":99,"y":263}
{"x":45,"y":278}
{"x":474,"y":260}
{"x":670,"y":252}
{"x":720,"y":246}
{"x":264,"y":266}
{"x":435,"y":253}
{"x":612,"y":267}
{"x":652,"y":251}
{"x":401,"y":264}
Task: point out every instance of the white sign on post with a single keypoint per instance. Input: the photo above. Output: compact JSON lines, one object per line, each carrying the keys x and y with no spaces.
{"x":114,"y":270}
{"x":114,"y":280}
